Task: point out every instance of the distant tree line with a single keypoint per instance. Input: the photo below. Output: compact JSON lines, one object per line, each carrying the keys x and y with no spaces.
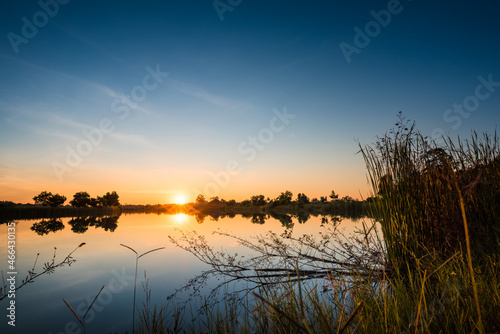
{"x":285,"y":203}
{"x":285,"y":198}
{"x":81,"y":199}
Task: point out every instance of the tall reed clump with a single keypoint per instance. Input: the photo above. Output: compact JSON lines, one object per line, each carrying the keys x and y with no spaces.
{"x":421,"y":186}
{"x":439,"y":209}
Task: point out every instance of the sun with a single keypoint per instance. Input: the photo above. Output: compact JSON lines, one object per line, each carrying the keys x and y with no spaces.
{"x":180,"y":199}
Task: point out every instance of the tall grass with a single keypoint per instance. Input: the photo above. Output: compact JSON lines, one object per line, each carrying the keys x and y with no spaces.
{"x":429,"y":196}
{"x":437,"y":200}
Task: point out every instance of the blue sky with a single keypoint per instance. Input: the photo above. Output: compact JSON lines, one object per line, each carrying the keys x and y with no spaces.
{"x":226,"y":81}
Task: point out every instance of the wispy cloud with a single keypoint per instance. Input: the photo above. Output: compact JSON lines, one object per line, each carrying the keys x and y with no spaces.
{"x":44,"y":71}
{"x":103,"y":89}
{"x":121,"y":97}
{"x":134,"y":139}
{"x":33,"y":119}
{"x":88,"y":41}
{"x":67,"y":122}
{"x":59,"y":135}
{"x":202,"y":94}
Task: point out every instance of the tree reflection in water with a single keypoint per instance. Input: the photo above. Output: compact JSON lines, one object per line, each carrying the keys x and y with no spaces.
{"x":81,"y":224}
{"x":78,"y":224}
{"x":45,"y":226}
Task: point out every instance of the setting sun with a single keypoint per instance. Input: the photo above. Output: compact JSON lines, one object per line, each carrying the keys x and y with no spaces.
{"x":180,"y":199}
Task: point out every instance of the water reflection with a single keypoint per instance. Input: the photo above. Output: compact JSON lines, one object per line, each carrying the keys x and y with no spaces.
{"x":200,"y":218}
{"x":259,"y":219}
{"x":81,"y":225}
{"x":45,"y":226}
{"x":78,"y":224}
{"x":303,"y":216}
{"x":181,"y":218}
{"x":285,"y":220}
{"x":104,"y":260}
{"x":281,"y":263}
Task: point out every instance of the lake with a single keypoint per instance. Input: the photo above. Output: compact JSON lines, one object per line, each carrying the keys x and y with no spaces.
{"x":103,"y":262}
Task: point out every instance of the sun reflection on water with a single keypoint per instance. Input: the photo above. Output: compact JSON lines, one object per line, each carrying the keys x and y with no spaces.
{"x":180,"y":218}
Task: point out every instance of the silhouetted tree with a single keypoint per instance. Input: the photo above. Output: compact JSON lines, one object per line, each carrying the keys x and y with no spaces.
{"x":110,"y":199}
{"x":284,"y":198}
{"x":334,"y":196}
{"x":80,"y":199}
{"x":258,"y":200}
{"x":200,"y":199}
{"x":43,"y":198}
{"x":95,"y":202}
{"x":302,"y":200}
{"x":347,"y":199}
{"x":246,"y":202}
{"x":56,"y":200}
{"x":47,"y":199}
{"x":323,"y":199}
{"x":214,"y":200}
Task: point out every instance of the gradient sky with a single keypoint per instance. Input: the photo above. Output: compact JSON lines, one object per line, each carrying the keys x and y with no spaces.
{"x":231,"y":69}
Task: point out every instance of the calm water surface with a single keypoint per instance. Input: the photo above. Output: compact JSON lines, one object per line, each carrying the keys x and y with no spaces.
{"x":102,"y":261}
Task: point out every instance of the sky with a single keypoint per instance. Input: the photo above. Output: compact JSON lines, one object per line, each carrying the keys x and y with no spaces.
{"x":159,"y":100}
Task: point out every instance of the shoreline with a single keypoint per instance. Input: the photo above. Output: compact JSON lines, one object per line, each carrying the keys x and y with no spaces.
{"x":40,"y":212}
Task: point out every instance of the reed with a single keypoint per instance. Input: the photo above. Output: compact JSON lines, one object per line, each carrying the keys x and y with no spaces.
{"x":419,"y":186}
{"x":137,"y":257}
{"x":434,"y":201}
{"x":158,"y":319}
{"x":81,"y":320}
